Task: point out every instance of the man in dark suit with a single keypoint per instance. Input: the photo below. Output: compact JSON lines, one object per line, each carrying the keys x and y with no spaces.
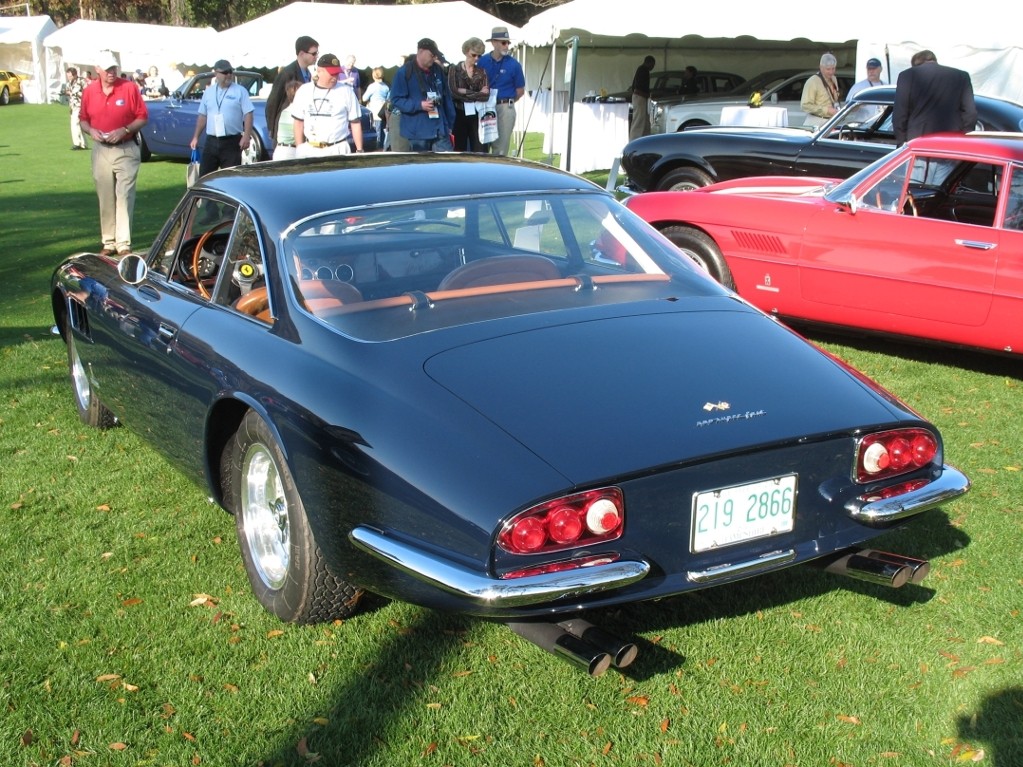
{"x":306,"y":52}
{"x":931,"y":98}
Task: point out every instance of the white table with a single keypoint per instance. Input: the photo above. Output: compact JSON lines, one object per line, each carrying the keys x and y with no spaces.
{"x":599,"y":133}
{"x":761,"y":117}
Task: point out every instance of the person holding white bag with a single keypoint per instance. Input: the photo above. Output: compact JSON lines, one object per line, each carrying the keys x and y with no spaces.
{"x":471,"y":92}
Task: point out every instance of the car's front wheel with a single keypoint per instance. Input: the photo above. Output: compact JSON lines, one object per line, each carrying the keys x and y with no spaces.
{"x":145,"y":152}
{"x":90,"y":409}
{"x":287,"y":569}
{"x":255,"y":151}
{"x":684,"y":180}
{"x":703,"y":250}
{"x":5,"y":96}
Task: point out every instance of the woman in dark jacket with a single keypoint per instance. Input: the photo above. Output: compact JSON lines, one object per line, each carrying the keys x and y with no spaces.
{"x":468,"y":85}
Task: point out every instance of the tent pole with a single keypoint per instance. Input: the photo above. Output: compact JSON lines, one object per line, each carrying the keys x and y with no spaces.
{"x":573,"y":43}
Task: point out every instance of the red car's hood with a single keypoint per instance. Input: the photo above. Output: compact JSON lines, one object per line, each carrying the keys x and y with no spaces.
{"x":773,"y":186}
{"x":611,"y":396}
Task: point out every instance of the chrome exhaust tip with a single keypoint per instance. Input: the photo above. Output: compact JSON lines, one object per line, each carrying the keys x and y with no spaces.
{"x":864,"y":568}
{"x":622,"y":652}
{"x":567,"y":646}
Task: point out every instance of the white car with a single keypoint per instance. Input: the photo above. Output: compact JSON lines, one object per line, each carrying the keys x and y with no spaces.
{"x":779,"y":88}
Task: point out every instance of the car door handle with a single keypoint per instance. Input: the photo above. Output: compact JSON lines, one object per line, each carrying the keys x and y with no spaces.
{"x":977,"y":244}
{"x":149,"y":293}
{"x":167,"y":332}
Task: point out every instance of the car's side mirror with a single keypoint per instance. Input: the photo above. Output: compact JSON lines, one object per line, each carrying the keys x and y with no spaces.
{"x":849,"y":201}
{"x":133,"y":269}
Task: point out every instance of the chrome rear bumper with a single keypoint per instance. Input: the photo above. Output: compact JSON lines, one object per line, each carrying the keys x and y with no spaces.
{"x":951,"y":484}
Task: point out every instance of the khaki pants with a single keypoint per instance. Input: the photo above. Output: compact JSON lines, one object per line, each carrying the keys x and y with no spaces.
{"x":640,"y":125}
{"x":505,"y":129}
{"x":115,"y":169}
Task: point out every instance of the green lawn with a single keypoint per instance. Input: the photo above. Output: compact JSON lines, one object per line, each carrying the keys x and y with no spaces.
{"x":129,"y":637}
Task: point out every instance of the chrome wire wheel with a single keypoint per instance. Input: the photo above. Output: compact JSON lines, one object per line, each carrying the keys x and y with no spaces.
{"x":265,"y":511}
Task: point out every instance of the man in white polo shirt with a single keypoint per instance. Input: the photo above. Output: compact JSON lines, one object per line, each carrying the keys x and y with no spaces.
{"x":326,"y":112}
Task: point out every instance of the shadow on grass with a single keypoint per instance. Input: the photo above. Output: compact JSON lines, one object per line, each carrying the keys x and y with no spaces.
{"x":998,"y":725}
{"x":389,"y":689}
{"x":917,"y":351}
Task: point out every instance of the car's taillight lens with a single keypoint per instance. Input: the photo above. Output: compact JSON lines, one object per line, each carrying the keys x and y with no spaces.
{"x":563,"y":523}
{"x":890,"y":453}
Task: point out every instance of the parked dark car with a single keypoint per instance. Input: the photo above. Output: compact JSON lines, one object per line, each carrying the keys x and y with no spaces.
{"x":859,"y":134}
{"x":495,"y":390}
{"x":172,"y":120}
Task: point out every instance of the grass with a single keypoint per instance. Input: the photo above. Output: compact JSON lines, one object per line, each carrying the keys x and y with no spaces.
{"x":129,"y":636}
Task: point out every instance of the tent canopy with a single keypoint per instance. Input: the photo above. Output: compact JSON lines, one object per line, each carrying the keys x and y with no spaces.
{"x":21,"y":51}
{"x":748,"y":38}
{"x":136,"y":46}
{"x":377,"y":35}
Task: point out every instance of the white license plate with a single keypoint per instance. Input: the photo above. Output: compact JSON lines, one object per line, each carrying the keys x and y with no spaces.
{"x":731,"y":515}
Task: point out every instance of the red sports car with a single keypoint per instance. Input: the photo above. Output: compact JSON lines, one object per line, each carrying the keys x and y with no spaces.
{"x":925,"y":243}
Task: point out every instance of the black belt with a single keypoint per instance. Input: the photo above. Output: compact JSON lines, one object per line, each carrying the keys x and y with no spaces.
{"x":506,"y":101}
{"x":291,"y":145}
{"x":232,"y":137}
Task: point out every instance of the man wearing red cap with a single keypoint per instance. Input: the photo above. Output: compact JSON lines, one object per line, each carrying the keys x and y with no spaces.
{"x":326,"y":113}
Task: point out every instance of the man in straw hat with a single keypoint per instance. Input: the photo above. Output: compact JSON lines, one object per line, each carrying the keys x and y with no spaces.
{"x":505,"y":76}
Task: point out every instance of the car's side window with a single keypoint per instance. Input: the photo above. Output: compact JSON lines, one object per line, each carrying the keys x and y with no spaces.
{"x":1014,"y":205}
{"x":242,"y":269}
{"x":206,"y":231}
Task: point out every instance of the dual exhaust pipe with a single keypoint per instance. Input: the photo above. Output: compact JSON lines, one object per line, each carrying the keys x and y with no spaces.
{"x":579,"y":642}
{"x":880,"y":567}
{"x":595,"y":650}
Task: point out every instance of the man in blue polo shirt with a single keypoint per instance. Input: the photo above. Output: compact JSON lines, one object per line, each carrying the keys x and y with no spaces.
{"x":225,"y":116}
{"x":505,"y":76}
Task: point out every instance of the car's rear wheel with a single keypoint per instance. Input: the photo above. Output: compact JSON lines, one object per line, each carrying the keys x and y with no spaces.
{"x":692,"y":124}
{"x":287,"y":569}
{"x":5,"y":96}
{"x":703,"y":250}
{"x":90,"y":409}
{"x":684,"y":180}
{"x":144,"y":150}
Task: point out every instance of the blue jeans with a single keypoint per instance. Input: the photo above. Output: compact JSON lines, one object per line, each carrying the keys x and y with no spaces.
{"x":439,"y":144}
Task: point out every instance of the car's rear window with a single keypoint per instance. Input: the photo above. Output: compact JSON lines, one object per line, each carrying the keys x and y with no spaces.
{"x":376,"y":273}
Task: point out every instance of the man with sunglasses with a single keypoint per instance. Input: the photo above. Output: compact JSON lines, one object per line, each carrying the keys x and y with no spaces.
{"x":307,"y":51}
{"x":505,"y":75}
{"x":225,"y":117}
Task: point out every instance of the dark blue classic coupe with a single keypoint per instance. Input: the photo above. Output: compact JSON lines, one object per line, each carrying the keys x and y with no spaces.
{"x":483,"y":385}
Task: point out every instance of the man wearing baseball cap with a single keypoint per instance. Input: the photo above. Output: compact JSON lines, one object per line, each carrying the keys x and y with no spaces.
{"x":507,"y":79}
{"x":420,"y":92}
{"x":873,"y":78}
{"x":326,"y":113}
{"x":113,"y":113}
{"x":225,"y":117}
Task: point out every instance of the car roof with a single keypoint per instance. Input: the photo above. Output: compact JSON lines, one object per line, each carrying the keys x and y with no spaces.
{"x":998,"y":146}
{"x":282,"y":192}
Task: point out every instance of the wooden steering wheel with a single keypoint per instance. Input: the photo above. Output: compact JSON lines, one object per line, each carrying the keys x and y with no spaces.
{"x":198,"y":251}
{"x":911,"y":203}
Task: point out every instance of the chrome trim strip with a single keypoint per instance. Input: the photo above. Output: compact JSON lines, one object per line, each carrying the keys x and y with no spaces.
{"x":772,"y":559}
{"x":951,"y":484}
{"x":484,"y":590}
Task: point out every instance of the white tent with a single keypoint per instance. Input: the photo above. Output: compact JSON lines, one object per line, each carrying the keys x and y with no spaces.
{"x":745,"y":38}
{"x":137,"y":46}
{"x":377,"y":35}
{"x":21,"y":51}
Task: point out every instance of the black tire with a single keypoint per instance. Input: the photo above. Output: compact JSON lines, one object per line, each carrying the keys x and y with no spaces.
{"x":692,"y":124}
{"x":255,"y":151}
{"x":5,"y":96}
{"x":92,"y":412}
{"x":702,"y":250}
{"x":144,"y":151}
{"x":287,"y":570}
{"x":684,"y":180}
